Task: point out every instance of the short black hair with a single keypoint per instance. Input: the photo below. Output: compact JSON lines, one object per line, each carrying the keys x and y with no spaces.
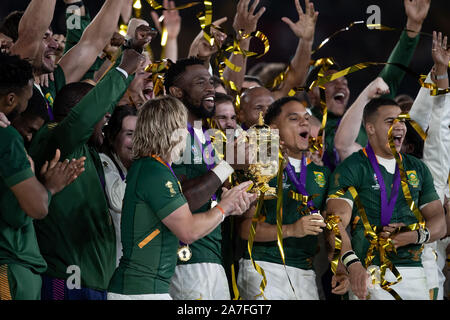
{"x":253,"y":79}
{"x":222,"y":97}
{"x":37,"y":106}
{"x":373,"y":105}
{"x":274,"y":109}
{"x":10,"y":25}
{"x":114,"y":125}
{"x":15,"y":73}
{"x":217,"y":81}
{"x":178,"y":68}
{"x":314,"y":73}
{"x":68,"y":97}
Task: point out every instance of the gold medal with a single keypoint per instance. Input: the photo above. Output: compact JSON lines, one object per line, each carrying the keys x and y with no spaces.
{"x":184,"y":253}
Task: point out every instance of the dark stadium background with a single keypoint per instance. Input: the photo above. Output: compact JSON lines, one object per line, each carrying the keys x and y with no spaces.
{"x":351,"y":47}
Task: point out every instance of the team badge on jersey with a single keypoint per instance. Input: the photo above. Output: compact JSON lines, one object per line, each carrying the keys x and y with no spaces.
{"x":169,"y":185}
{"x":319,"y":178}
{"x":413,"y":180}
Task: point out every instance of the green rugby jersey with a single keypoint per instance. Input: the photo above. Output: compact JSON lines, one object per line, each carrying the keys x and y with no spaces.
{"x":18,"y":244}
{"x":207,"y":249}
{"x":391,"y":74}
{"x":299,"y":252}
{"x":78,"y":229}
{"x":149,"y":247}
{"x":357,"y":171}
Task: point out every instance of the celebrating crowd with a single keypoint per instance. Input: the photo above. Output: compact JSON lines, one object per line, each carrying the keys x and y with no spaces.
{"x":114,"y":186}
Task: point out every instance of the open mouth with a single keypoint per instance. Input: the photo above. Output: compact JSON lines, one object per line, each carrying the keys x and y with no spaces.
{"x":339,"y":97}
{"x":208,"y":102}
{"x":304,"y":135}
{"x":398,"y":139}
{"x":148,"y":93}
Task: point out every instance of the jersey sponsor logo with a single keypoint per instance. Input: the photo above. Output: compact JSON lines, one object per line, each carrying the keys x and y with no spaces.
{"x":376,"y":186}
{"x":286,"y":185}
{"x":413,"y":180}
{"x":319,"y":178}
{"x":169,"y":185}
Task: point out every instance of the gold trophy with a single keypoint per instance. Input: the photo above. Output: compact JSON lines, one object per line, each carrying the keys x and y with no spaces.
{"x":264,"y":145}
{"x":264,"y":149}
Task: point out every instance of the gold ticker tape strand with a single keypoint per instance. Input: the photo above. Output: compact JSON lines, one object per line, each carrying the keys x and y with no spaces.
{"x":251,"y":239}
{"x":279,"y":215}
{"x":332,"y":222}
{"x":156,"y":6}
{"x":383,"y":246}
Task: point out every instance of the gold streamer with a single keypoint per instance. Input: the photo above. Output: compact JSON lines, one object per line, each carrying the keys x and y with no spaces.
{"x":156,"y":6}
{"x":5,"y":293}
{"x":237,"y":296}
{"x":414,"y":124}
{"x":332,"y":222}
{"x":279,"y":214}
{"x":351,"y":25}
{"x":157,"y":69}
{"x":137,"y":6}
{"x":382,"y":245}
{"x":369,"y":26}
{"x":205,"y":20}
{"x":251,"y":239}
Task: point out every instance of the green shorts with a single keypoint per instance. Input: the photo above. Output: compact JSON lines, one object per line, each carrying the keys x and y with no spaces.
{"x":19,"y":283}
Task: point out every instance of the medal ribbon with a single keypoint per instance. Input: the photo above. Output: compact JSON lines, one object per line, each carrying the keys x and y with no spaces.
{"x":210,"y":158}
{"x":387,"y":207}
{"x":300,"y":185}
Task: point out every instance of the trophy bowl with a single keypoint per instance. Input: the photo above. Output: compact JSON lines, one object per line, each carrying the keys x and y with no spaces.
{"x":264,"y":145}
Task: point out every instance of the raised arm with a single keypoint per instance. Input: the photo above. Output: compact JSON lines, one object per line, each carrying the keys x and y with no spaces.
{"x":304,"y":29}
{"x":77,"y":61}
{"x":441,"y":58}
{"x":32,"y":28}
{"x":416,"y":12}
{"x":246,"y":21}
{"x":172,"y":24}
{"x":435,"y":110}
{"x":77,"y":126}
{"x":201,"y":49}
{"x":347,"y":132}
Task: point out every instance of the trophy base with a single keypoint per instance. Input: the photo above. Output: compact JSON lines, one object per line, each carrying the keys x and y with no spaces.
{"x":269,"y":194}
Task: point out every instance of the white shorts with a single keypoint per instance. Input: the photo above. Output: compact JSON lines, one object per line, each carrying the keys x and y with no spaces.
{"x":117,"y":296}
{"x":278,"y":287}
{"x":413,"y":285}
{"x":199,"y":281}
